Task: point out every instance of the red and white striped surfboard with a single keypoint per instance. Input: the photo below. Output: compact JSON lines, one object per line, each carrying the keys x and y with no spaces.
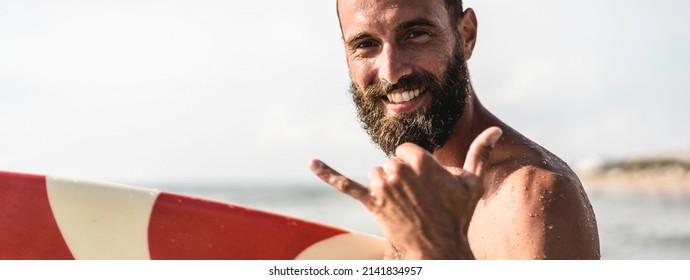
{"x":44,"y":217}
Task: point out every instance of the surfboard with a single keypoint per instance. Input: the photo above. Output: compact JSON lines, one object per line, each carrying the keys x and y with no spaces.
{"x":48,"y":217}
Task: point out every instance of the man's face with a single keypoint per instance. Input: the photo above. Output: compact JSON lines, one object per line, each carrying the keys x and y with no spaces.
{"x":409,"y":79}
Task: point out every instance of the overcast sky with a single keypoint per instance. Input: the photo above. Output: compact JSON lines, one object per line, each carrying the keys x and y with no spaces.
{"x":184,"y":91}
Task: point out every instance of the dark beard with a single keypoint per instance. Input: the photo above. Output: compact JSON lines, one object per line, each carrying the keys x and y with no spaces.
{"x":429,"y":128}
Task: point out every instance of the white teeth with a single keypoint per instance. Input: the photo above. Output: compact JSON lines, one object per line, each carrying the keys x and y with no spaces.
{"x":401,"y":97}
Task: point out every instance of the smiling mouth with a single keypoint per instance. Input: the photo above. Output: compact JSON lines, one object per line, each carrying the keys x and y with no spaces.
{"x":402,"y":97}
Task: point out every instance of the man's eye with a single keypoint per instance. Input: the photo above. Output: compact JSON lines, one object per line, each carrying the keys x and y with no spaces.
{"x":416,"y":34}
{"x":366,"y":44}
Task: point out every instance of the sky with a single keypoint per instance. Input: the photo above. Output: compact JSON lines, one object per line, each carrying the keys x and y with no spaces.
{"x":250,"y":91}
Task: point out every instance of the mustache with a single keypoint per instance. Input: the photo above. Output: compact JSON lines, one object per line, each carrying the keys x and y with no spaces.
{"x":421,"y":81}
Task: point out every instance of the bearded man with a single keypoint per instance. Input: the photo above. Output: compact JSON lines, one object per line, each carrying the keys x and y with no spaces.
{"x":460,"y":183}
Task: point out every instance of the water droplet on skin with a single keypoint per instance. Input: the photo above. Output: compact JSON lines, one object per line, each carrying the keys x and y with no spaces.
{"x":542,"y":208}
{"x":550,"y":227}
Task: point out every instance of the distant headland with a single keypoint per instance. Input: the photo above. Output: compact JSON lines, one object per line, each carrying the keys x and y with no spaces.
{"x":659,"y":174}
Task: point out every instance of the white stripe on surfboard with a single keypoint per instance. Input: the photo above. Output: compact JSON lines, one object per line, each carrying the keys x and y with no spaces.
{"x":347,"y":246}
{"x":102,"y":221}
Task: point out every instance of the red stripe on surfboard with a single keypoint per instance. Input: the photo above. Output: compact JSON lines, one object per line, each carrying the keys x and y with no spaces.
{"x":189,"y":228}
{"x":28,"y":229}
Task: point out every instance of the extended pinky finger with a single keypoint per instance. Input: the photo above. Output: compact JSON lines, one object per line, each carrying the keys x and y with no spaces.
{"x":340,"y":182}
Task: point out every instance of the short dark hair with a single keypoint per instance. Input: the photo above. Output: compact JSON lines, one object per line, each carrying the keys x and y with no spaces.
{"x":454,"y":8}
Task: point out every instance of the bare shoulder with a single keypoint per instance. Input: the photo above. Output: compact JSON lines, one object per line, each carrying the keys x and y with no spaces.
{"x":537,"y":209}
{"x":555,"y":213}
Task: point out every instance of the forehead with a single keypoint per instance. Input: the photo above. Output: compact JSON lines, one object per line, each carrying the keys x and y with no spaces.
{"x":364,"y":15}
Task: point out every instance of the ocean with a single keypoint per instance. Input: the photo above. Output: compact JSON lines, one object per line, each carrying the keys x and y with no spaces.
{"x":631,"y":226}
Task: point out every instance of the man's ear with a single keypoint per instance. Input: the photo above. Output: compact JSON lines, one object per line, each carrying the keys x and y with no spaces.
{"x":467,"y":27}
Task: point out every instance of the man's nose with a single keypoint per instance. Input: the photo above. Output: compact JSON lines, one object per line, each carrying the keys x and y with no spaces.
{"x":392,"y":65}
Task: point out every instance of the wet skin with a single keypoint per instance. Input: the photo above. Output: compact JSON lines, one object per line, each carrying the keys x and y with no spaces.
{"x":489,"y":192}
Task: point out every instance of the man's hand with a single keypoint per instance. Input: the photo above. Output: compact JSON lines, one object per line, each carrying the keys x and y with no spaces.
{"x":423,"y":209}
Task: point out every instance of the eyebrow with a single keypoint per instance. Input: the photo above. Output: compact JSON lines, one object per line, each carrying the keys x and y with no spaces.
{"x":357,"y":37}
{"x":415,"y":22}
{"x":401,"y":27}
